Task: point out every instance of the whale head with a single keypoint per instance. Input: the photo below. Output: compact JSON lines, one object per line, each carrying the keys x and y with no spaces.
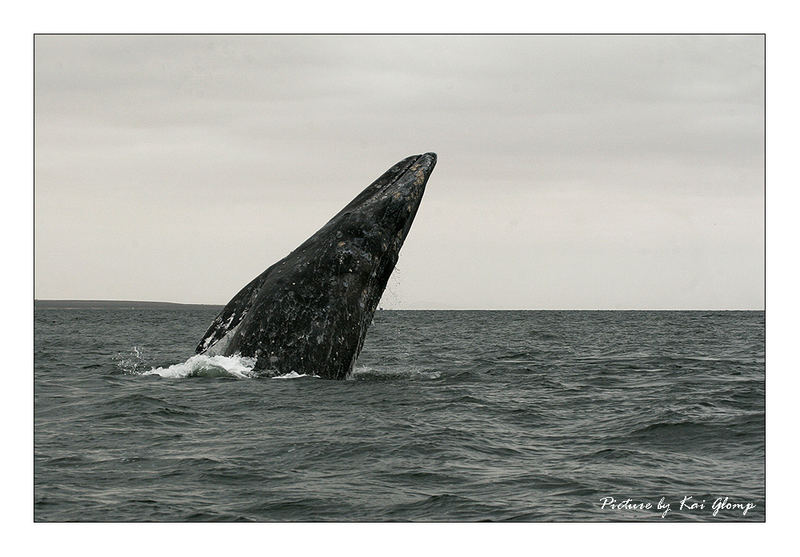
{"x":369,"y":232}
{"x":310,"y":311}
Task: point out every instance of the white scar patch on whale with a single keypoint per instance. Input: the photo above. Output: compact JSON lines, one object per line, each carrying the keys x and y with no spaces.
{"x":221,"y":345}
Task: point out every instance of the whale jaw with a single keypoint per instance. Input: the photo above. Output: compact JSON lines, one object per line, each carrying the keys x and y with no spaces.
{"x":309,"y":312}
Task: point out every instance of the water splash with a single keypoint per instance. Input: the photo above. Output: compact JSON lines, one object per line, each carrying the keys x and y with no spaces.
{"x":200,"y":365}
{"x":131,"y":362}
{"x":295,"y":375}
{"x":391,"y":298}
{"x":208,"y":366}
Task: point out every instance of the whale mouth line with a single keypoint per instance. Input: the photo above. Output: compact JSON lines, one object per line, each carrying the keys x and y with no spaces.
{"x":402,"y":173}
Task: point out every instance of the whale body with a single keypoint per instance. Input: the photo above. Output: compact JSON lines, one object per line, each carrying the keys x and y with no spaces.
{"x":309,"y":312}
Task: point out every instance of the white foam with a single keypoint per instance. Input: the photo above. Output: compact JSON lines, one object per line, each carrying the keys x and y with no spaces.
{"x":294,"y":375}
{"x":202,"y":365}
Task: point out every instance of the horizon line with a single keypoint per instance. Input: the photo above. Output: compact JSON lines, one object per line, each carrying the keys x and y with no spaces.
{"x":84,"y":301}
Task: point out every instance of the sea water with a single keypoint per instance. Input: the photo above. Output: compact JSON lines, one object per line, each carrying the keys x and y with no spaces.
{"x":448,"y":416}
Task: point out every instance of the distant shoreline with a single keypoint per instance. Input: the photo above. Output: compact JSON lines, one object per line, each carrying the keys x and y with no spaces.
{"x":137,"y":304}
{"x":117,"y":304}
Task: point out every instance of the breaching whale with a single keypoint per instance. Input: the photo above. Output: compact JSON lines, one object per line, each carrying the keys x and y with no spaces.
{"x":309,"y":312}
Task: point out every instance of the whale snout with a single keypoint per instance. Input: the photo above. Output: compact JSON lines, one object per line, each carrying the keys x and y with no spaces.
{"x":417,"y":174}
{"x":432,"y":156}
{"x":426,"y":161}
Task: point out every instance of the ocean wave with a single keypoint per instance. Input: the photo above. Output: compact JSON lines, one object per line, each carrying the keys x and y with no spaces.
{"x":368,"y":373}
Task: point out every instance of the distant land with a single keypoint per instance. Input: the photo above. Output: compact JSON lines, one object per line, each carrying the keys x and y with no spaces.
{"x":137,"y":304}
{"x":116,"y":304}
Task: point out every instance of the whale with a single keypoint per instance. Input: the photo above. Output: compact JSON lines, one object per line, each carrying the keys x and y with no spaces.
{"x":309,"y":312}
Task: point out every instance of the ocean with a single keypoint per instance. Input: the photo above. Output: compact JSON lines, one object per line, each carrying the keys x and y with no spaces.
{"x":449,"y":416}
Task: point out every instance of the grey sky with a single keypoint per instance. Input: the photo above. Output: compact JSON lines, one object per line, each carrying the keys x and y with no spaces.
{"x":597,"y":172}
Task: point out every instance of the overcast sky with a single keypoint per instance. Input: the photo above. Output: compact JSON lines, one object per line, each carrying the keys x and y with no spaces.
{"x":575,"y":172}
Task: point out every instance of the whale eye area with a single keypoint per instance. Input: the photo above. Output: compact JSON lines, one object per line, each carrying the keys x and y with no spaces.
{"x":352,"y":257}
